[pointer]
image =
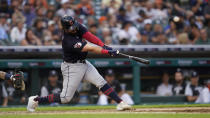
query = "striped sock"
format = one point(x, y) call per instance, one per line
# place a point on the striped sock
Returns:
point(108, 90)
point(49, 99)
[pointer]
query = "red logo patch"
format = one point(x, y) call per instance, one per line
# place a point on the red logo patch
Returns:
point(78, 45)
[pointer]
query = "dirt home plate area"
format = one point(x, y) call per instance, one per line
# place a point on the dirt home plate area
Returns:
point(113, 111)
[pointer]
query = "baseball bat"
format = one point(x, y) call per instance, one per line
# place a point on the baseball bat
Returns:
point(141, 60)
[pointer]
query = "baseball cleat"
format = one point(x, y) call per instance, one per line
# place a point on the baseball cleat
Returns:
point(123, 106)
point(32, 104)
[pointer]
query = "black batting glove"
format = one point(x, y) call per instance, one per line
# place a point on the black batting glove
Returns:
point(113, 52)
point(107, 47)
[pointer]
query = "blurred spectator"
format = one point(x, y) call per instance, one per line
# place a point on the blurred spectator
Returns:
point(121, 16)
point(164, 89)
point(171, 31)
point(51, 34)
point(107, 3)
point(140, 20)
point(204, 96)
point(160, 11)
point(204, 39)
point(197, 6)
point(149, 10)
point(38, 3)
point(30, 39)
point(147, 32)
point(110, 78)
point(65, 10)
point(3, 31)
point(17, 16)
point(179, 85)
point(93, 29)
point(50, 15)
point(158, 35)
point(112, 7)
point(14, 95)
point(4, 7)
point(29, 14)
point(4, 22)
point(131, 13)
point(207, 11)
point(194, 34)
point(193, 89)
point(53, 86)
point(3, 94)
point(106, 36)
point(39, 28)
point(168, 21)
point(90, 21)
point(131, 33)
point(18, 32)
point(85, 8)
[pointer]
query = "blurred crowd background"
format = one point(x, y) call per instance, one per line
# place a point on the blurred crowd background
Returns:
point(116, 22)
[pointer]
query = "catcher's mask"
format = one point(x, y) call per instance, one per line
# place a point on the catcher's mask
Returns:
point(18, 76)
point(69, 24)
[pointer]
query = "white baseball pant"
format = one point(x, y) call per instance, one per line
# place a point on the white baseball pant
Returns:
point(74, 73)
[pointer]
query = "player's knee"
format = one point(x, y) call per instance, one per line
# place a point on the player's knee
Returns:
point(101, 83)
point(65, 100)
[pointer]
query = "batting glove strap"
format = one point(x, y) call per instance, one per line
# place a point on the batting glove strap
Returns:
point(107, 47)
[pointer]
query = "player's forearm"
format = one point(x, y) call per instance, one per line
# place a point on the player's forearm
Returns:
point(192, 98)
point(5, 102)
point(4, 75)
point(93, 39)
point(94, 49)
point(99, 50)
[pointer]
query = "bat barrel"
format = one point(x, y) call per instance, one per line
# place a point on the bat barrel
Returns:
point(141, 60)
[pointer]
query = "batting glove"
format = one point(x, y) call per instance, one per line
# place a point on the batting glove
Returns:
point(113, 52)
point(107, 47)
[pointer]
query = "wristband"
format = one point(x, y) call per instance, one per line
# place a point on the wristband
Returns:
point(104, 51)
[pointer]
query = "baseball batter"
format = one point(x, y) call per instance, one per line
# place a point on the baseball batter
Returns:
point(76, 68)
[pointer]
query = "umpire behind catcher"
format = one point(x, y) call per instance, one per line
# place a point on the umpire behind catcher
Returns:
point(76, 68)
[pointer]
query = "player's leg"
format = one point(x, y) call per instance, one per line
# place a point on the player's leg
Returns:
point(95, 78)
point(72, 76)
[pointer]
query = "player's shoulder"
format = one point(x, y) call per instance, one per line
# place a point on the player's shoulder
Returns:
point(82, 26)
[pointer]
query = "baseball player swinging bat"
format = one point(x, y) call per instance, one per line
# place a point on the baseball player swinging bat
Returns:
point(141, 60)
point(76, 68)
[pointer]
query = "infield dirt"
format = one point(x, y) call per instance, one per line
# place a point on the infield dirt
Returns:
point(113, 111)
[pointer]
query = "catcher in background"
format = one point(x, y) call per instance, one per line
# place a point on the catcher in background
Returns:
point(16, 79)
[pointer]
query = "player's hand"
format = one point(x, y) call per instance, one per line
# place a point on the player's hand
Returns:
point(113, 52)
point(107, 47)
point(17, 80)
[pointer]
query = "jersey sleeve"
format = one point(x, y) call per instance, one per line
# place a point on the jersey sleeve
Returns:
point(44, 91)
point(82, 29)
point(188, 91)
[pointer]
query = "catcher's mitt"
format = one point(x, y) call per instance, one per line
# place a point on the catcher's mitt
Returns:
point(17, 80)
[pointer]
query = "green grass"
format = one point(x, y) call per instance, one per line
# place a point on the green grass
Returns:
point(144, 115)
point(66, 108)
point(102, 115)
